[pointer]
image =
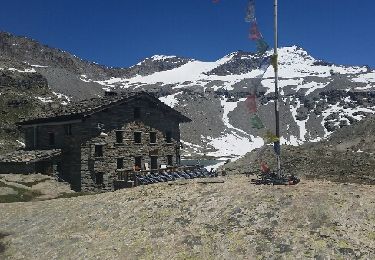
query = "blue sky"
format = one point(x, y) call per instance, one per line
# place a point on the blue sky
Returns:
point(121, 33)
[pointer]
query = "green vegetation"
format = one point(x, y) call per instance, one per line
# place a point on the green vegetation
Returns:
point(22, 195)
point(30, 184)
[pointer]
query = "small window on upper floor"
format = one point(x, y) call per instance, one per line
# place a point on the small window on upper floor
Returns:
point(51, 138)
point(68, 129)
point(120, 163)
point(168, 137)
point(98, 150)
point(137, 137)
point(152, 137)
point(137, 113)
point(119, 136)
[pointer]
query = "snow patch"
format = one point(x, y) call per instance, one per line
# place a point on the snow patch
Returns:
point(365, 78)
point(23, 71)
point(301, 124)
point(22, 144)
point(170, 100)
point(231, 144)
point(62, 96)
point(312, 86)
point(45, 100)
point(342, 112)
point(38, 66)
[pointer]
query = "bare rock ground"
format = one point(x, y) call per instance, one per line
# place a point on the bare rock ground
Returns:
point(230, 220)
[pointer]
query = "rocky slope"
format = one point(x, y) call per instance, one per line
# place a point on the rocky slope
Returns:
point(318, 97)
point(346, 156)
point(230, 220)
point(23, 93)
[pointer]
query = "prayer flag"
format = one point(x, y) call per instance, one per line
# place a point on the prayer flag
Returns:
point(250, 11)
point(256, 122)
point(262, 46)
point(264, 167)
point(254, 32)
point(251, 103)
point(271, 137)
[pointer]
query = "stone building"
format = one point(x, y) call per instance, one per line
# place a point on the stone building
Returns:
point(90, 142)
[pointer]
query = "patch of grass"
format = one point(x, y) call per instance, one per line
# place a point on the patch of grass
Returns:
point(30, 184)
point(371, 235)
point(76, 194)
point(23, 195)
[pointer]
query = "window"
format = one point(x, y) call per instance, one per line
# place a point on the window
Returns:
point(152, 137)
point(137, 137)
point(98, 150)
point(99, 178)
point(120, 163)
point(68, 129)
point(168, 137)
point(154, 162)
point(119, 136)
point(137, 113)
point(51, 138)
point(170, 159)
point(138, 162)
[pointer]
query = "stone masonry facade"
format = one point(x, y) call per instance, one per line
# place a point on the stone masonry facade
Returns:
point(98, 146)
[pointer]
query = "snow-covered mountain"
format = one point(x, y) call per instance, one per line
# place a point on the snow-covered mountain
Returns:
point(318, 97)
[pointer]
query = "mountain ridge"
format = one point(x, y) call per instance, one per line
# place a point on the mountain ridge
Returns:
point(318, 97)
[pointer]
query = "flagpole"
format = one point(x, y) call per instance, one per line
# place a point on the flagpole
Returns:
point(277, 98)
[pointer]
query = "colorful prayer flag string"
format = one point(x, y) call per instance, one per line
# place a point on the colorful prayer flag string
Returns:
point(251, 104)
point(271, 137)
point(256, 122)
point(255, 33)
point(250, 11)
point(262, 46)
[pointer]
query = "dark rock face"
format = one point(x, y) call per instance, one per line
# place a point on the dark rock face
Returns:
point(152, 65)
point(240, 63)
point(13, 79)
point(21, 96)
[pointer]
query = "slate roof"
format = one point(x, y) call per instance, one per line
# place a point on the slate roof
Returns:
point(79, 110)
point(23, 156)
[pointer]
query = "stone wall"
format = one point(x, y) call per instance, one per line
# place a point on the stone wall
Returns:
point(16, 167)
point(121, 118)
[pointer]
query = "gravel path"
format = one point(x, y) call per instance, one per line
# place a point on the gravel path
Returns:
point(230, 220)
